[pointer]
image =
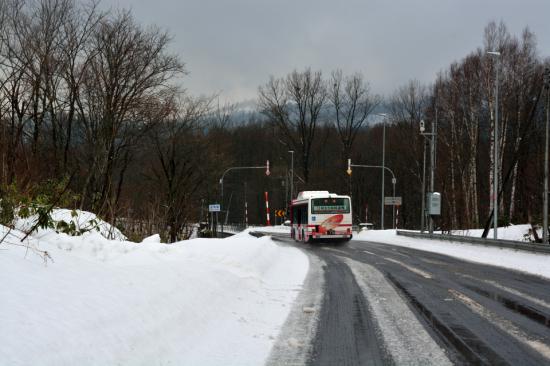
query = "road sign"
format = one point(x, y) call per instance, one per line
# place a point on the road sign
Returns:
point(280, 213)
point(392, 201)
point(214, 208)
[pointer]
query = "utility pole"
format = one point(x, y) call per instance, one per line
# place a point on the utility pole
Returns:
point(431, 136)
point(495, 153)
point(291, 175)
point(423, 213)
point(432, 164)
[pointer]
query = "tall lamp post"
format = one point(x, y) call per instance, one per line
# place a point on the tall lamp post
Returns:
point(384, 168)
point(495, 153)
point(545, 196)
point(383, 165)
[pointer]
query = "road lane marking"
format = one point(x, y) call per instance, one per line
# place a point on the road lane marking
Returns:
point(336, 250)
point(431, 261)
point(410, 268)
point(366, 251)
point(512, 291)
point(503, 324)
point(394, 251)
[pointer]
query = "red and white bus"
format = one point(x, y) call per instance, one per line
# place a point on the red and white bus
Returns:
point(320, 215)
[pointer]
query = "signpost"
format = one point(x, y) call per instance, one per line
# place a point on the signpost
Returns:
point(214, 208)
point(392, 201)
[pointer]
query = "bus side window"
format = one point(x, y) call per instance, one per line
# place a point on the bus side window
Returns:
point(304, 215)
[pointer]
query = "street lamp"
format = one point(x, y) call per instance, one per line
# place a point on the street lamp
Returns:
point(545, 195)
point(384, 168)
point(383, 165)
point(495, 153)
point(267, 172)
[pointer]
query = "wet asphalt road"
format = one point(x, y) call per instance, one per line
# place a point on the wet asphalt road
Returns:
point(478, 314)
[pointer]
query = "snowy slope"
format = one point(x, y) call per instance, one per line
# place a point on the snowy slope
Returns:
point(102, 302)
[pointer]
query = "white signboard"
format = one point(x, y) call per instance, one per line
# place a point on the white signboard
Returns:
point(214, 208)
point(392, 201)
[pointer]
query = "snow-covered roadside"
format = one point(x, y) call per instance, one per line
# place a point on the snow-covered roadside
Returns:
point(535, 263)
point(275, 229)
point(512, 232)
point(102, 302)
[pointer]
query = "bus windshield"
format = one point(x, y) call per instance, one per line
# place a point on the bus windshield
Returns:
point(329, 205)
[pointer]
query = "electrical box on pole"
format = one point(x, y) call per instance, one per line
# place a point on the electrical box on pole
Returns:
point(434, 203)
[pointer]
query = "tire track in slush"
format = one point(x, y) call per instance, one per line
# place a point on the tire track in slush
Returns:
point(346, 333)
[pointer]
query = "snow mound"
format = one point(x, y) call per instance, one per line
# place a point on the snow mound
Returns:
point(83, 220)
point(275, 229)
point(152, 239)
point(105, 302)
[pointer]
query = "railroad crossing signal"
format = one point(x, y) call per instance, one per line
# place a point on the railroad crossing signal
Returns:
point(280, 213)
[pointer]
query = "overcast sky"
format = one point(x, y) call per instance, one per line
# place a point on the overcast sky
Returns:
point(233, 46)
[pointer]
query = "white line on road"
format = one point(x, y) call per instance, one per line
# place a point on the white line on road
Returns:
point(401, 254)
point(335, 250)
point(511, 290)
point(503, 324)
point(410, 268)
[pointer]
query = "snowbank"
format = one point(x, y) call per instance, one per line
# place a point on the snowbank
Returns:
point(512, 232)
point(82, 220)
point(534, 263)
point(103, 302)
point(277, 229)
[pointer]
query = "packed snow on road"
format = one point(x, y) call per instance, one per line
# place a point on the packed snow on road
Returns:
point(94, 301)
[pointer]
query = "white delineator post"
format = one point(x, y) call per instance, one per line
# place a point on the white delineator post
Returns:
point(246, 214)
point(268, 222)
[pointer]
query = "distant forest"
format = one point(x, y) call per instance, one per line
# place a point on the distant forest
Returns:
point(94, 115)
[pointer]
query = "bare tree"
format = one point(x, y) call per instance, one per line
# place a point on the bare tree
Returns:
point(352, 102)
point(129, 70)
point(177, 170)
point(294, 104)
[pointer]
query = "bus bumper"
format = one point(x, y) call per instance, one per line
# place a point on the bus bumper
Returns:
point(335, 236)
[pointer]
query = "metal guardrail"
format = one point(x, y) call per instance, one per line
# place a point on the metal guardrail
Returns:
point(510, 244)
